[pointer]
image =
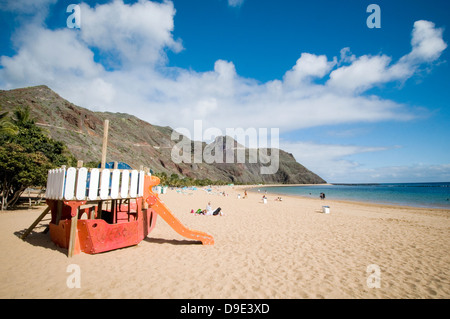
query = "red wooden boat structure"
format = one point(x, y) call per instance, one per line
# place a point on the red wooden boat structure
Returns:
point(96, 210)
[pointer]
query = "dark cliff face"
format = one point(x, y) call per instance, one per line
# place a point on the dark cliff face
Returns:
point(137, 142)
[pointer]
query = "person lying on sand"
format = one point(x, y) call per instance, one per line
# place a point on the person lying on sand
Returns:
point(208, 211)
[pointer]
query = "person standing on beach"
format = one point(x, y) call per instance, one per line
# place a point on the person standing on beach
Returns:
point(245, 194)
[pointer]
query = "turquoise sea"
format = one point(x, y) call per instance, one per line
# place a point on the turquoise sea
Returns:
point(430, 195)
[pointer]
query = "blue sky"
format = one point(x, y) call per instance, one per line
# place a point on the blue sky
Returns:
point(352, 103)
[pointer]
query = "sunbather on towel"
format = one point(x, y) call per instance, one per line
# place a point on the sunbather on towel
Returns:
point(209, 211)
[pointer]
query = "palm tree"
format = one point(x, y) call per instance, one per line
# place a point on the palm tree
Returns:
point(6, 126)
point(22, 116)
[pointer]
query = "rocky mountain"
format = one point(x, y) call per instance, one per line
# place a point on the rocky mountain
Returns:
point(137, 142)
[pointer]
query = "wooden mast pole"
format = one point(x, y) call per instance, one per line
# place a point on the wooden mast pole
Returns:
point(103, 164)
point(105, 143)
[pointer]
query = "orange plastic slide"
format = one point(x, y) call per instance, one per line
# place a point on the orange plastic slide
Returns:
point(162, 210)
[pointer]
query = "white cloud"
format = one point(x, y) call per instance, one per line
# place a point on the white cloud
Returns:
point(346, 56)
point(308, 67)
point(334, 164)
point(362, 74)
point(418, 172)
point(414, 173)
point(235, 3)
point(133, 34)
point(47, 56)
point(427, 42)
point(330, 161)
point(225, 70)
point(367, 71)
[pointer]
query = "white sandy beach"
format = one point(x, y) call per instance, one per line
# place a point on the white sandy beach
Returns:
point(287, 249)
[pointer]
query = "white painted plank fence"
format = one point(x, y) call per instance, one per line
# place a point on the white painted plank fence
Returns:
point(94, 184)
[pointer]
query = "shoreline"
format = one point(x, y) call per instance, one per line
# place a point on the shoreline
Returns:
point(350, 201)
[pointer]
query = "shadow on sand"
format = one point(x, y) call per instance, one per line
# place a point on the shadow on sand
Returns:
point(40, 237)
point(172, 241)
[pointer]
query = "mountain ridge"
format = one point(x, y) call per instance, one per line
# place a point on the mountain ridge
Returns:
point(137, 142)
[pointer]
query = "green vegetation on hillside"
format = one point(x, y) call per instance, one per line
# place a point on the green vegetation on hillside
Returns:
point(174, 180)
point(26, 155)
